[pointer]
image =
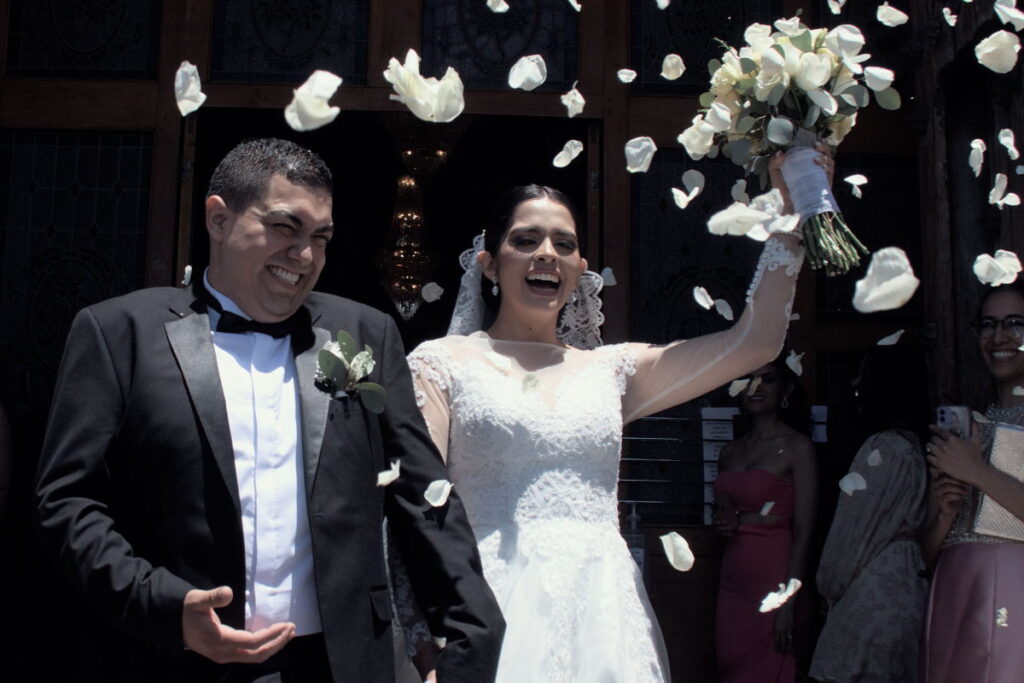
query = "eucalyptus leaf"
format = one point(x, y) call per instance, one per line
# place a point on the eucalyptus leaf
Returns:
point(347, 344)
point(859, 94)
point(745, 84)
point(775, 96)
point(706, 99)
point(373, 396)
point(713, 66)
point(780, 130)
point(739, 151)
point(845, 108)
point(803, 41)
point(811, 117)
point(888, 99)
point(748, 65)
point(331, 365)
point(745, 124)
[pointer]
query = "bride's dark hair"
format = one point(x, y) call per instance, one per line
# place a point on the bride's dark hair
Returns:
point(500, 219)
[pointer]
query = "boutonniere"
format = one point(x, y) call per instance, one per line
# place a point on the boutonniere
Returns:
point(341, 372)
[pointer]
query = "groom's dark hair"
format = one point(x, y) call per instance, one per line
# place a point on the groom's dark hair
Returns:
point(242, 176)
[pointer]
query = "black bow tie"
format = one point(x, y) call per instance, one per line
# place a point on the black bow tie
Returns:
point(236, 324)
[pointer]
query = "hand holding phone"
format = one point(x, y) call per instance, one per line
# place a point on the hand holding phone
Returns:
point(955, 419)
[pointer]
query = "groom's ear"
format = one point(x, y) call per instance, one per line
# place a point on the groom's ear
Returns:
point(217, 217)
point(488, 266)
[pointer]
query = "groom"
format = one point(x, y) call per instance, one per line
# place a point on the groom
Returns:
point(210, 498)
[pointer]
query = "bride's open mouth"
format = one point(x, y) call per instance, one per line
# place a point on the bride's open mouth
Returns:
point(543, 284)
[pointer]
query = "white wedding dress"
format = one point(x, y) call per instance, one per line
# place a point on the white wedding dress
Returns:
point(532, 434)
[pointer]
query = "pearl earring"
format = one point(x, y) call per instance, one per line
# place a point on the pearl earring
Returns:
point(494, 289)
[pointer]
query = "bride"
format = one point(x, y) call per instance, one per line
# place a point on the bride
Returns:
point(529, 419)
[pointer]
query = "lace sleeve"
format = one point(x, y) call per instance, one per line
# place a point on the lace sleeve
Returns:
point(672, 374)
point(429, 363)
point(405, 612)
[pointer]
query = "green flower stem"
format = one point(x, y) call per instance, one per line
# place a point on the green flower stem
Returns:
point(831, 244)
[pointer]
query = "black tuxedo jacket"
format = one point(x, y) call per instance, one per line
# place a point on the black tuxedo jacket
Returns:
point(138, 500)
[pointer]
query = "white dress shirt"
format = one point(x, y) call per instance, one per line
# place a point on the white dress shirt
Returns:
point(257, 374)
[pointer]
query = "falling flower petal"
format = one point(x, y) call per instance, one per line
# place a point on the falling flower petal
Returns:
point(737, 386)
point(724, 309)
point(672, 67)
point(1019, 170)
point(890, 16)
point(977, 156)
point(308, 109)
point(678, 552)
point(608, 275)
point(852, 482)
point(626, 75)
point(701, 296)
point(389, 475)
point(693, 180)
point(573, 101)
point(497, 6)
point(999, 196)
point(889, 282)
point(1018, 391)
point(878, 78)
point(527, 73)
point(794, 317)
point(949, 16)
point(698, 139)
point(639, 152)
point(767, 507)
point(683, 199)
point(890, 340)
point(431, 292)
point(794, 364)
point(429, 99)
point(874, 458)
point(187, 279)
point(1008, 13)
point(570, 151)
point(1002, 617)
point(576, 5)
point(437, 493)
point(999, 51)
point(662, 4)
point(856, 180)
point(979, 418)
point(777, 599)
point(1006, 139)
point(187, 88)
point(736, 219)
point(752, 387)
point(836, 6)
point(739, 191)
point(1000, 269)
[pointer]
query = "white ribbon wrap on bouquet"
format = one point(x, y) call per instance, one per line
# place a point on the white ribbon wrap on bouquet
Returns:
point(807, 181)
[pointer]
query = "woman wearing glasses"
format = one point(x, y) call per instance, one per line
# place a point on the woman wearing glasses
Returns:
point(975, 625)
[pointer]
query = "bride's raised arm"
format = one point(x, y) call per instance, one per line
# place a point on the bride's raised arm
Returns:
point(683, 370)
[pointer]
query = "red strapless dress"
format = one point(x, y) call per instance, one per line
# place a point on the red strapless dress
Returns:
point(754, 563)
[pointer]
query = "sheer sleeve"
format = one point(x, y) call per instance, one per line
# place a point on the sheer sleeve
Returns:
point(429, 363)
point(672, 374)
point(406, 613)
point(890, 507)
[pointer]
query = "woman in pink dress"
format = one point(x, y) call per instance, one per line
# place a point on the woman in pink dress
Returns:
point(765, 502)
point(975, 625)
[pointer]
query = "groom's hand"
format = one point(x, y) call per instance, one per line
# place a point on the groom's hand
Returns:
point(204, 633)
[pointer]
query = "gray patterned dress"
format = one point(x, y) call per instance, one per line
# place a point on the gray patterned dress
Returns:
point(871, 568)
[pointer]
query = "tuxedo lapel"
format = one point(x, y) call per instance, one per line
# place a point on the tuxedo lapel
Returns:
point(315, 406)
point(193, 348)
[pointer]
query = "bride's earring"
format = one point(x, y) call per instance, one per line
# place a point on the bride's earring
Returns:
point(494, 289)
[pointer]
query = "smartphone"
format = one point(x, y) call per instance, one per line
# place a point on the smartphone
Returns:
point(955, 419)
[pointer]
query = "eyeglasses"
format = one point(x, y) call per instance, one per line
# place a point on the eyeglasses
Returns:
point(1011, 324)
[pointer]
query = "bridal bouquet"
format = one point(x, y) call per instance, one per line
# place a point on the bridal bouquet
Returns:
point(785, 90)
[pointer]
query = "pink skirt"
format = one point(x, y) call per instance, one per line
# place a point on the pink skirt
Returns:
point(975, 626)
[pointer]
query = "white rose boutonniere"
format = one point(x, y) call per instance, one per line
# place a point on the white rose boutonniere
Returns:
point(342, 371)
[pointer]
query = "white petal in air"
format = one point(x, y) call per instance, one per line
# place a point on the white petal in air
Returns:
point(890, 340)
point(998, 52)
point(431, 292)
point(836, 6)
point(875, 458)
point(693, 181)
point(852, 482)
point(437, 493)
point(1008, 13)
point(527, 73)
point(683, 199)
point(308, 109)
point(999, 196)
point(1018, 391)
point(608, 275)
point(429, 99)
point(777, 599)
point(737, 386)
point(575, 5)
point(1000, 269)
point(736, 219)
point(977, 156)
point(878, 78)
point(979, 418)
point(187, 279)
point(794, 364)
point(678, 552)
point(662, 4)
point(389, 475)
point(626, 75)
point(497, 6)
point(889, 282)
point(187, 88)
point(573, 101)
point(724, 309)
point(570, 151)
point(672, 67)
point(639, 152)
point(767, 508)
point(739, 191)
point(701, 296)
point(948, 15)
point(856, 180)
point(1007, 140)
point(754, 384)
point(890, 16)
